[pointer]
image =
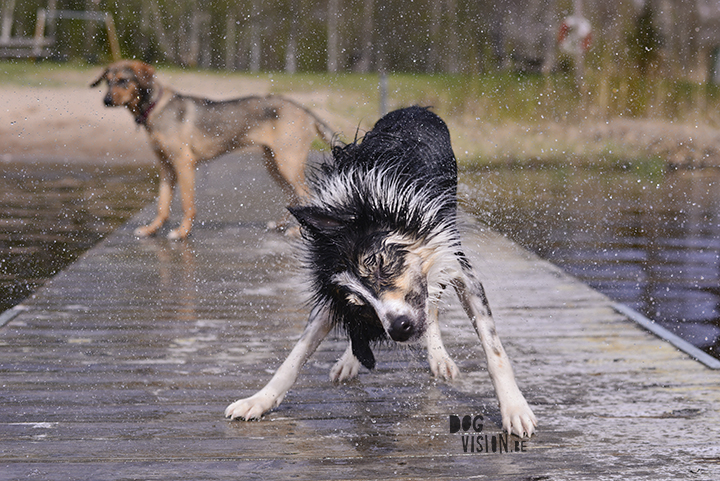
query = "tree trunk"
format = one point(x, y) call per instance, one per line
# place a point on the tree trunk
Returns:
point(452, 62)
point(7, 20)
point(230, 41)
point(366, 38)
point(332, 35)
point(162, 36)
point(255, 38)
point(435, 22)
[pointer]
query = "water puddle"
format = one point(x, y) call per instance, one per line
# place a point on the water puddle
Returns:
point(50, 214)
point(646, 237)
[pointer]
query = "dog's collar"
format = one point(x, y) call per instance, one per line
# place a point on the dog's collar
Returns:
point(142, 118)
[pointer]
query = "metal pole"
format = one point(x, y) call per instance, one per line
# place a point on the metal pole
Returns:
point(383, 92)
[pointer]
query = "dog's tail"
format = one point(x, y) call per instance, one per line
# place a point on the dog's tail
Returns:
point(325, 132)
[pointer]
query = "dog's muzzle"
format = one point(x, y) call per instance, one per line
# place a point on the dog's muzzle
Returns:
point(108, 101)
point(401, 328)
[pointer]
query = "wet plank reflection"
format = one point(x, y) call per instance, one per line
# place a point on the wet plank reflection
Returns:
point(647, 238)
point(51, 213)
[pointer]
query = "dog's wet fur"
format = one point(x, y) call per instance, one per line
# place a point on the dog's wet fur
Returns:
point(381, 244)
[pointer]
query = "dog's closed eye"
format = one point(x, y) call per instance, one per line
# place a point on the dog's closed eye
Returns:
point(355, 299)
point(373, 264)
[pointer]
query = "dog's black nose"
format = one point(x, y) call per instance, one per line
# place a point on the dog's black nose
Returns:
point(401, 328)
point(108, 101)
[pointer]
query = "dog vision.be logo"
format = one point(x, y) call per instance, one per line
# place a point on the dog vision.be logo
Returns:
point(470, 429)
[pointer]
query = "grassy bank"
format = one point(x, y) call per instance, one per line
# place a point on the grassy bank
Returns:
point(494, 119)
point(496, 98)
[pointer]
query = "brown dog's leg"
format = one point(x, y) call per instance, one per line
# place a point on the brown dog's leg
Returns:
point(167, 184)
point(293, 194)
point(185, 170)
point(280, 177)
point(292, 170)
point(290, 149)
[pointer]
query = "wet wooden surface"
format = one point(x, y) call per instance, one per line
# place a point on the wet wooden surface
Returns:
point(50, 214)
point(121, 366)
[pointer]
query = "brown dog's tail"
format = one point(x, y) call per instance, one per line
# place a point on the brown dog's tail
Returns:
point(325, 132)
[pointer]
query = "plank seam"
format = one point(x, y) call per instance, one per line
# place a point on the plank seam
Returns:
point(668, 336)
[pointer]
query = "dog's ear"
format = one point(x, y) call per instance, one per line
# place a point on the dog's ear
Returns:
point(144, 74)
point(102, 77)
point(316, 219)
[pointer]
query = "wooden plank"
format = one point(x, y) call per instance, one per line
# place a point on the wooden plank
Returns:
point(121, 366)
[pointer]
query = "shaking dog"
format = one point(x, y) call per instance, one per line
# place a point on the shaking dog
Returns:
point(381, 244)
point(185, 131)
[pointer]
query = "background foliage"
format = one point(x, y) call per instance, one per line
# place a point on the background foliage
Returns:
point(647, 57)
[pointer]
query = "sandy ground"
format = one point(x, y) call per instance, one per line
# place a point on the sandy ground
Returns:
point(69, 123)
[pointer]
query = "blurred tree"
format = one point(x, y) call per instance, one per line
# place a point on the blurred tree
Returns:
point(366, 36)
point(452, 36)
point(644, 42)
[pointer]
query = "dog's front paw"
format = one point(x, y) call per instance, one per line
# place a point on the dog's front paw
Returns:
point(144, 231)
point(518, 418)
point(441, 365)
point(285, 227)
point(253, 407)
point(347, 367)
point(178, 234)
point(293, 232)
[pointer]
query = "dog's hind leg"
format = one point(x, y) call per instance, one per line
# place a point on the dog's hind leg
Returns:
point(281, 179)
point(441, 364)
point(517, 417)
point(347, 367)
point(185, 169)
point(165, 194)
point(274, 391)
point(290, 164)
point(293, 191)
point(292, 138)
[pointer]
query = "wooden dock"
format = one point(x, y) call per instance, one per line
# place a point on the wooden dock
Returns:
point(120, 369)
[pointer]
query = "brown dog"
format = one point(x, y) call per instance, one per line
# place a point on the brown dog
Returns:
point(185, 131)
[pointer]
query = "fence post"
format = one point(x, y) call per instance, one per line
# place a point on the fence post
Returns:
point(39, 37)
point(112, 38)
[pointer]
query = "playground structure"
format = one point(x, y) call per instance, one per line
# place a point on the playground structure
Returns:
point(41, 43)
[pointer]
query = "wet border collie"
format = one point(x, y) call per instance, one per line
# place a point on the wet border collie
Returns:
point(381, 245)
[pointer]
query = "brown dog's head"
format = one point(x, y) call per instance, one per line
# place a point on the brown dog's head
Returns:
point(129, 83)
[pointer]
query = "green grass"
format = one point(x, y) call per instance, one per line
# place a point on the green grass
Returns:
point(27, 73)
point(495, 119)
point(490, 98)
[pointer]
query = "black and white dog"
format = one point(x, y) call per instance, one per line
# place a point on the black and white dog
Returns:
point(381, 245)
